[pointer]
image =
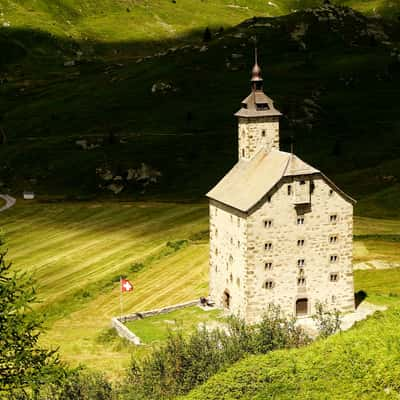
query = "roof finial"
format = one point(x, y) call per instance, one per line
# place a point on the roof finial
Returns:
point(256, 72)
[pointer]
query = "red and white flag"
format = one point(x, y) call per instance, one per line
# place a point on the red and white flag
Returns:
point(126, 286)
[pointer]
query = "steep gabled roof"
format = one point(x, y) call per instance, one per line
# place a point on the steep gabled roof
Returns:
point(250, 180)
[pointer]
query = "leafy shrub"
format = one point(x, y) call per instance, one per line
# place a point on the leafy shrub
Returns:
point(185, 362)
point(79, 384)
point(136, 267)
point(177, 244)
point(328, 321)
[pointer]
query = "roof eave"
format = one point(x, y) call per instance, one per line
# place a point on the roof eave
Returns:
point(248, 113)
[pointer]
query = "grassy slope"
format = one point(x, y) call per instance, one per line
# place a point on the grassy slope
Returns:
point(362, 363)
point(47, 107)
point(124, 20)
point(78, 250)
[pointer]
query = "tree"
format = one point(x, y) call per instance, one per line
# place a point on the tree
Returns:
point(207, 35)
point(24, 366)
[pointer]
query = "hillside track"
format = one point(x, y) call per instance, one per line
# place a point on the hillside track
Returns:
point(10, 201)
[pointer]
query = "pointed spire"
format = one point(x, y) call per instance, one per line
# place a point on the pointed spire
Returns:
point(256, 78)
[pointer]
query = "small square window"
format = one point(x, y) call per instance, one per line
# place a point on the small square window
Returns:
point(302, 182)
point(333, 218)
point(300, 220)
point(331, 192)
point(333, 258)
point(334, 277)
point(268, 284)
point(301, 262)
point(268, 266)
point(289, 190)
point(268, 246)
point(333, 239)
point(263, 133)
point(267, 223)
point(300, 242)
point(301, 281)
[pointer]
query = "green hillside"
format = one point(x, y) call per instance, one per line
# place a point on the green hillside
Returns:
point(77, 252)
point(362, 363)
point(319, 74)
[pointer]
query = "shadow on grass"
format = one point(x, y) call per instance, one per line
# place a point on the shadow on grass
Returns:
point(359, 297)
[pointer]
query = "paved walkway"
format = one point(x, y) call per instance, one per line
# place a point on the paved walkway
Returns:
point(364, 310)
point(10, 201)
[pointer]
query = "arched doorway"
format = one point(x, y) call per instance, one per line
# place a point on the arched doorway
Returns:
point(301, 307)
point(226, 298)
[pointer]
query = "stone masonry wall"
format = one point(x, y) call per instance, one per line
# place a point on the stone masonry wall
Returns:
point(284, 233)
point(255, 133)
point(227, 256)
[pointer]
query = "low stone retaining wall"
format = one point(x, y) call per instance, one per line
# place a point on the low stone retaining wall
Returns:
point(118, 322)
point(124, 332)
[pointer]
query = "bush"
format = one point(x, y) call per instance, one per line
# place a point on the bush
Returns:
point(79, 384)
point(328, 321)
point(185, 362)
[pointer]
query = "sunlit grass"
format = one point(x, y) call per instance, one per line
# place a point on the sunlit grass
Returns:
point(77, 251)
point(186, 320)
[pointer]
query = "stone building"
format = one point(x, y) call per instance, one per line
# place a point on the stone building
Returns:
point(280, 230)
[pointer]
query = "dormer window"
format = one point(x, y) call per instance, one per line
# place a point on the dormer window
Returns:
point(262, 106)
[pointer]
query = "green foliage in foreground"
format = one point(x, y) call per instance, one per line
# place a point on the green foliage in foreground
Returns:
point(363, 363)
point(23, 364)
point(185, 362)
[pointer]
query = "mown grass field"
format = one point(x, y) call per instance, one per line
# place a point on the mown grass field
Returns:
point(155, 329)
point(77, 251)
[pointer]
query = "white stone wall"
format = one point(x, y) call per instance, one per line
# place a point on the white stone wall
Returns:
point(284, 234)
point(255, 133)
point(227, 256)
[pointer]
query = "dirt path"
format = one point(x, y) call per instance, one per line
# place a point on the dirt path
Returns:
point(10, 201)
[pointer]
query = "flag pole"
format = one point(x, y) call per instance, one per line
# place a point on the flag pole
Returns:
point(120, 297)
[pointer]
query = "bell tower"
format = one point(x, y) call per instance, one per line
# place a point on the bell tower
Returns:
point(258, 119)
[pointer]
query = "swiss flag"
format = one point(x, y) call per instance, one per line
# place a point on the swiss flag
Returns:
point(126, 286)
